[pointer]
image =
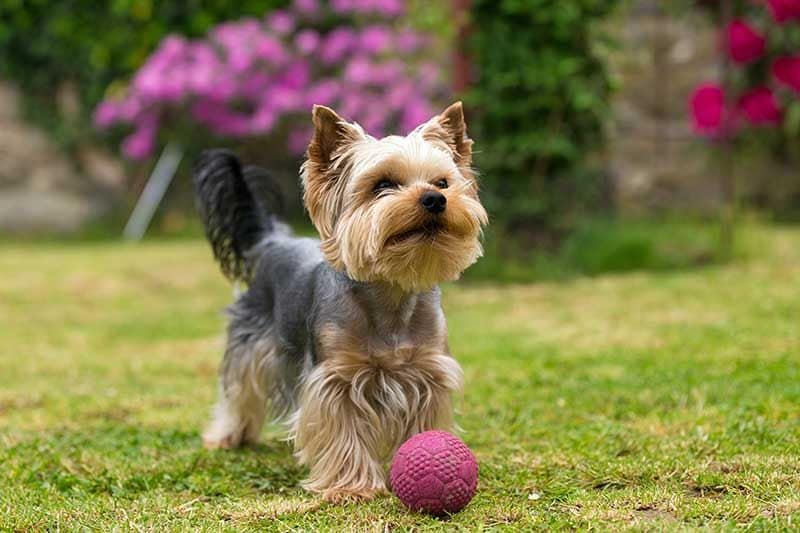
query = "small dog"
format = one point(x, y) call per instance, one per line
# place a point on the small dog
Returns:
point(344, 338)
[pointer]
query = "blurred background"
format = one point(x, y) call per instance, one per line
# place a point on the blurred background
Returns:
point(610, 134)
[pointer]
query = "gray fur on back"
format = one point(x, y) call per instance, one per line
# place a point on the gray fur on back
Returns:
point(294, 292)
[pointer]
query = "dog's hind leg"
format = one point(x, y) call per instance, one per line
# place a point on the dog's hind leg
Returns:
point(246, 373)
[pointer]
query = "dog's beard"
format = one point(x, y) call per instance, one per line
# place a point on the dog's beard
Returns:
point(395, 241)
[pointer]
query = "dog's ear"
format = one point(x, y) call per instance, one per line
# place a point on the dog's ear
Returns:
point(332, 135)
point(449, 127)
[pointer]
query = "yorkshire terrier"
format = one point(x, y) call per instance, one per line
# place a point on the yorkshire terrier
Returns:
point(344, 338)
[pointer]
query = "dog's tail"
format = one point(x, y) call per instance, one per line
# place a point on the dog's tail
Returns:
point(237, 206)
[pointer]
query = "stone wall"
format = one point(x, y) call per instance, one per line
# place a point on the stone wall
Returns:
point(656, 161)
point(41, 188)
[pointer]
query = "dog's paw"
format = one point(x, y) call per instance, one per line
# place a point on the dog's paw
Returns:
point(215, 441)
point(351, 495)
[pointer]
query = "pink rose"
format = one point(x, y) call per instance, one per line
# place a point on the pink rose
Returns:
point(707, 105)
point(787, 71)
point(760, 107)
point(784, 10)
point(744, 44)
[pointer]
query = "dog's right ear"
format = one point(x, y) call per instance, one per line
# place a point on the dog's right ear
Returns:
point(332, 135)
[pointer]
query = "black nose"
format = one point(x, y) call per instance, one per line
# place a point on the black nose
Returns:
point(433, 201)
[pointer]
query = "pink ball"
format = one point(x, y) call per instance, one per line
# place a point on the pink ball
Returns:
point(434, 472)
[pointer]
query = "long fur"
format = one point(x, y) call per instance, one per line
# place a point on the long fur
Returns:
point(345, 339)
point(234, 204)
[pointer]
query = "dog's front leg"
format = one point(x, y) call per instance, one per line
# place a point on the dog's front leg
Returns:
point(338, 438)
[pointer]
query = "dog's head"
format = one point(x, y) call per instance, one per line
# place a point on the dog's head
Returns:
point(403, 210)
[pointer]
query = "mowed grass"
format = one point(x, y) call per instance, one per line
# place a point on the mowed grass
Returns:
point(646, 401)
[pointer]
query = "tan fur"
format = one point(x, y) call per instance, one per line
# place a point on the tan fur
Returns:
point(239, 414)
point(357, 226)
point(362, 402)
point(384, 371)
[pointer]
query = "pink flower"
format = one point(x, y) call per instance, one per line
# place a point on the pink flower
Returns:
point(296, 76)
point(744, 44)
point(375, 39)
point(416, 112)
point(787, 71)
point(140, 144)
point(202, 78)
point(707, 105)
point(130, 108)
point(358, 70)
point(171, 48)
point(389, 8)
point(324, 92)
point(409, 41)
point(284, 99)
point(386, 74)
point(264, 118)
point(307, 41)
point(342, 6)
point(399, 94)
point(271, 50)
point(106, 114)
point(310, 8)
point(224, 88)
point(280, 22)
point(253, 85)
point(760, 107)
point(337, 44)
point(428, 75)
point(784, 10)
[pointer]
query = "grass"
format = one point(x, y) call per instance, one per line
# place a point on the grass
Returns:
point(601, 245)
point(652, 400)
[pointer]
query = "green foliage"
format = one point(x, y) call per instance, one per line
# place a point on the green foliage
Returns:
point(541, 97)
point(95, 45)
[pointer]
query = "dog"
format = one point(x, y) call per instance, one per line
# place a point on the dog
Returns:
point(343, 339)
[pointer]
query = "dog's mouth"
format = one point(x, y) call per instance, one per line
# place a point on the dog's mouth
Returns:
point(427, 231)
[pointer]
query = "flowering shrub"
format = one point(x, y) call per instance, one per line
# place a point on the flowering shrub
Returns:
point(251, 77)
point(764, 47)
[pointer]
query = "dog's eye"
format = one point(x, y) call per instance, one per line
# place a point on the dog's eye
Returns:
point(442, 183)
point(384, 185)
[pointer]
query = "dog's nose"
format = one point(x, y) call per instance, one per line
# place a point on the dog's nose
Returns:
point(433, 201)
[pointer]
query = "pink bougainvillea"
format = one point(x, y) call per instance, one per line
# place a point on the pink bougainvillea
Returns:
point(249, 77)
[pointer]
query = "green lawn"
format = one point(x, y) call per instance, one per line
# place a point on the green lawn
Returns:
point(665, 400)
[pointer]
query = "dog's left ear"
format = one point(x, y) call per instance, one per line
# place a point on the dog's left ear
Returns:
point(451, 128)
